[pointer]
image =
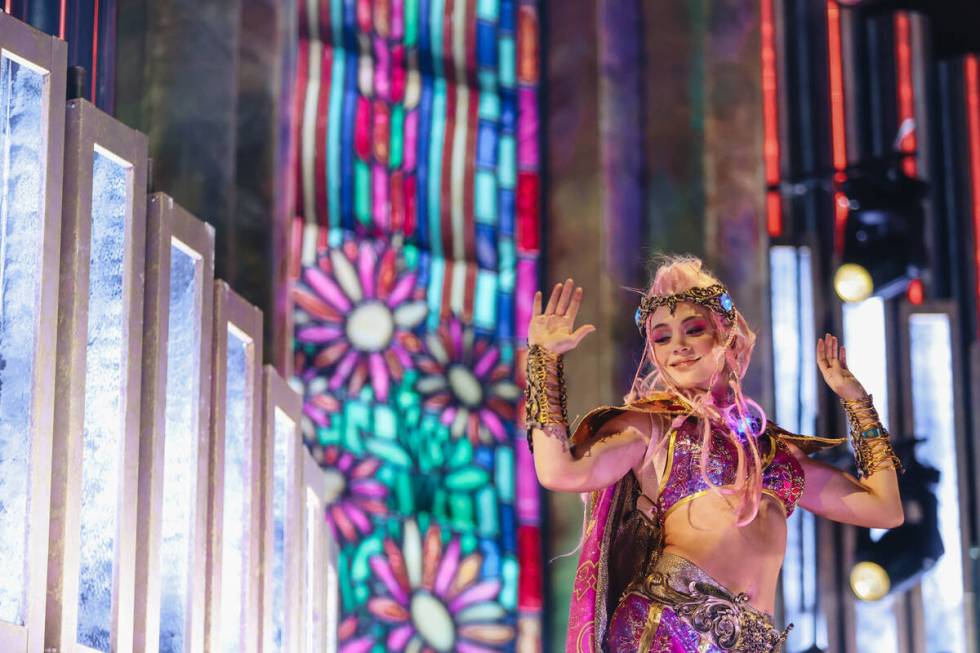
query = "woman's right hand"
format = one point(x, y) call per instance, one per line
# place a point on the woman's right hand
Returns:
point(552, 328)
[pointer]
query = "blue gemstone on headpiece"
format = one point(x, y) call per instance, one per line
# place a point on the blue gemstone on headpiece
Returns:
point(637, 317)
point(726, 301)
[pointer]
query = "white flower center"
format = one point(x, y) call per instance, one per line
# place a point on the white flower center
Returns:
point(334, 485)
point(370, 326)
point(433, 621)
point(465, 386)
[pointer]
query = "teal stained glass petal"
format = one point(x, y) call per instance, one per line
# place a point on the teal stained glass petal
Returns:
point(467, 479)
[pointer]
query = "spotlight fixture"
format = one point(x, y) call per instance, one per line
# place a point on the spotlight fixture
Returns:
point(895, 560)
point(883, 237)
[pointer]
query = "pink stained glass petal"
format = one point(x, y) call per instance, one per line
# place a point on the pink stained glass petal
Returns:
point(456, 338)
point(366, 468)
point(403, 356)
point(447, 569)
point(370, 488)
point(379, 376)
point(448, 415)
point(345, 462)
point(397, 561)
point(381, 568)
point(386, 275)
point(357, 517)
point(493, 424)
point(398, 638)
point(327, 288)
point(366, 261)
point(342, 373)
point(387, 610)
point(402, 291)
point(359, 645)
point(344, 525)
point(486, 363)
point(484, 591)
point(317, 415)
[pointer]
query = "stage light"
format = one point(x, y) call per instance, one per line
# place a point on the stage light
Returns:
point(894, 561)
point(884, 232)
point(853, 283)
point(870, 581)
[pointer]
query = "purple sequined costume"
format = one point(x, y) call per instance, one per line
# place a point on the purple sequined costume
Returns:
point(629, 597)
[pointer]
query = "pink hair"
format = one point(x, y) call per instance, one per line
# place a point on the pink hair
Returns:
point(731, 354)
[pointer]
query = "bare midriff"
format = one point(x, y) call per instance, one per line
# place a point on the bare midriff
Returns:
point(741, 558)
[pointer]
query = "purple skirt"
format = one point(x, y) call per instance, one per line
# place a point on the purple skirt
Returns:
point(678, 608)
point(641, 624)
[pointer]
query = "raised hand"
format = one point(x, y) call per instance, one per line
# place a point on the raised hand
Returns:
point(552, 327)
point(832, 361)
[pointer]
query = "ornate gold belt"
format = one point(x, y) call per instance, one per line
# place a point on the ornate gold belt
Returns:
point(726, 619)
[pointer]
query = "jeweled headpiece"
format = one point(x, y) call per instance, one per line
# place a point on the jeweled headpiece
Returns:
point(715, 297)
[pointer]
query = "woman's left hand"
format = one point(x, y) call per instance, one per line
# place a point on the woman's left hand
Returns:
point(832, 361)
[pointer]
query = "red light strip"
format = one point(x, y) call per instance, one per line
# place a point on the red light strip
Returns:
point(7, 6)
point(973, 125)
point(61, 19)
point(837, 124)
point(770, 108)
point(906, 89)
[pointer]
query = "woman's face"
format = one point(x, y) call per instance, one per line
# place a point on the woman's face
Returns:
point(682, 344)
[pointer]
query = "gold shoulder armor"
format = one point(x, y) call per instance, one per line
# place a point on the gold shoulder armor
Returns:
point(808, 444)
point(586, 433)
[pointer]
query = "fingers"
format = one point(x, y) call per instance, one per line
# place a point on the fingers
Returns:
point(566, 297)
point(536, 305)
point(822, 355)
point(843, 357)
point(553, 300)
point(572, 311)
point(581, 332)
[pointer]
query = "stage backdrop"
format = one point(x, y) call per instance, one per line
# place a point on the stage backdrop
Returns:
point(414, 261)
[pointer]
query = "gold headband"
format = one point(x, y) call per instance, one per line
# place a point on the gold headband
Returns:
point(715, 297)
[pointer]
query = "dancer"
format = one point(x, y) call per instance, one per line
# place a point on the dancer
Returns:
point(689, 485)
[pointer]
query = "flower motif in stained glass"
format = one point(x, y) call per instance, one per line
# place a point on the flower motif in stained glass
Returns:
point(432, 596)
point(353, 494)
point(466, 383)
point(355, 312)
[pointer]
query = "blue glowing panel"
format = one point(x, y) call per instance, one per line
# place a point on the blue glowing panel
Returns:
point(180, 445)
point(237, 494)
point(795, 394)
point(931, 354)
point(23, 150)
point(313, 516)
point(103, 429)
point(285, 430)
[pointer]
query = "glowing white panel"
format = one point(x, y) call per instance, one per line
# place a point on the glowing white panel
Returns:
point(321, 598)
point(103, 427)
point(795, 394)
point(23, 163)
point(285, 430)
point(931, 356)
point(864, 338)
point(180, 446)
point(313, 514)
point(236, 518)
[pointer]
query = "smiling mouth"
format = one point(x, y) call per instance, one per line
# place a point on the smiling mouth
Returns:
point(686, 364)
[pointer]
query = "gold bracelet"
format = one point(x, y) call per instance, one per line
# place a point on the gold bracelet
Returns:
point(869, 438)
point(545, 400)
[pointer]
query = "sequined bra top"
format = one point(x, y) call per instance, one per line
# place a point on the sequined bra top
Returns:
point(782, 476)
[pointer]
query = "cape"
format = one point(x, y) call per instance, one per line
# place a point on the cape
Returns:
point(617, 542)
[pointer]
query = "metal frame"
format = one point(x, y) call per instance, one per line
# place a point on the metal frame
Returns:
point(166, 222)
point(314, 481)
point(231, 310)
point(87, 127)
point(279, 396)
point(963, 468)
point(49, 53)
